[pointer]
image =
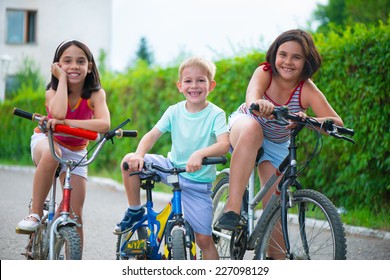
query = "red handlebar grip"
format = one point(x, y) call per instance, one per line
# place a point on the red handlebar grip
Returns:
point(79, 132)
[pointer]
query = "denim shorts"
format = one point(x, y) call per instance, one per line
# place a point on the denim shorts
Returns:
point(195, 196)
point(273, 152)
point(66, 154)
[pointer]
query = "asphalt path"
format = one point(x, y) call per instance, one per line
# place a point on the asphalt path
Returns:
point(105, 205)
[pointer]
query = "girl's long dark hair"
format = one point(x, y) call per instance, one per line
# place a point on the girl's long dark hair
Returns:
point(313, 59)
point(92, 80)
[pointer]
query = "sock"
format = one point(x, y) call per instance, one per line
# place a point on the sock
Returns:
point(134, 208)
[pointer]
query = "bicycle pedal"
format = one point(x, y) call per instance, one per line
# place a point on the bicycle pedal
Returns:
point(22, 231)
point(135, 247)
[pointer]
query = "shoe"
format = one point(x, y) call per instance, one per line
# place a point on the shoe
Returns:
point(228, 221)
point(28, 224)
point(128, 220)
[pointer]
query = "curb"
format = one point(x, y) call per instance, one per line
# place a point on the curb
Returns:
point(107, 182)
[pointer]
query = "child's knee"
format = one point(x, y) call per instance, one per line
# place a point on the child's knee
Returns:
point(204, 241)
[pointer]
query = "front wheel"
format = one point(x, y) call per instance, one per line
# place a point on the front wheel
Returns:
point(178, 250)
point(67, 244)
point(314, 226)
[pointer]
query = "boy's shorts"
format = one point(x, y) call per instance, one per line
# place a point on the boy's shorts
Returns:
point(195, 196)
point(273, 152)
point(66, 154)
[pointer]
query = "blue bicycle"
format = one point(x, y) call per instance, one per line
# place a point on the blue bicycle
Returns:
point(143, 240)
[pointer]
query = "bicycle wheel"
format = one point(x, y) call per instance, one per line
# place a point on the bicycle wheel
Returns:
point(221, 237)
point(138, 238)
point(178, 250)
point(35, 247)
point(67, 244)
point(315, 230)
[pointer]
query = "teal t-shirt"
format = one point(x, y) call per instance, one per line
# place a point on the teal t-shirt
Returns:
point(191, 132)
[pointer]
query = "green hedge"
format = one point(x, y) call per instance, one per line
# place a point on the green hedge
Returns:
point(354, 77)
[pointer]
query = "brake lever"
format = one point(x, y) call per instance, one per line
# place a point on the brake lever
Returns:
point(110, 135)
point(338, 136)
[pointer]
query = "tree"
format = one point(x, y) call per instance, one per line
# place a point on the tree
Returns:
point(348, 12)
point(143, 52)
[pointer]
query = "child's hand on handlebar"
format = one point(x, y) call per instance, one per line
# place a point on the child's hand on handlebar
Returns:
point(51, 123)
point(194, 163)
point(265, 108)
point(301, 114)
point(136, 163)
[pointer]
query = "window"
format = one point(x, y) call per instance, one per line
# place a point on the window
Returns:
point(21, 26)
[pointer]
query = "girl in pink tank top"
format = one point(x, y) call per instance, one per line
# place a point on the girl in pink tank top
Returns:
point(75, 98)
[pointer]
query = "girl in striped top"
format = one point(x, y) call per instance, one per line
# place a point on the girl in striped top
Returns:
point(285, 79)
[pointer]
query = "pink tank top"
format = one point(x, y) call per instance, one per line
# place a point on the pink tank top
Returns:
point(81, 111)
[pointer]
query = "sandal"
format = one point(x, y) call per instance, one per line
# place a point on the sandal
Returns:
point(29, 224)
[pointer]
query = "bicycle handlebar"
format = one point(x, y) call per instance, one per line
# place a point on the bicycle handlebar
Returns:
point(77, 132)
point(281, 114)
point(24, 114)
point(148, 167)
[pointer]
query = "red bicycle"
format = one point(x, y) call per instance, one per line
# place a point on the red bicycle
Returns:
point(57, 238)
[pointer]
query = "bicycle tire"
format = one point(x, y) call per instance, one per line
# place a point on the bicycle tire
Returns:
point(67, 245)
point(38, 244)
point(316, 233)
point(219, 197)
point(140, 233)
point(178, 250)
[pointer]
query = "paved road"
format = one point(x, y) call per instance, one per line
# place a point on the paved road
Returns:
point(105, 204)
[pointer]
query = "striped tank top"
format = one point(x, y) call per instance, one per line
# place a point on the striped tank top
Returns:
point(273, 131)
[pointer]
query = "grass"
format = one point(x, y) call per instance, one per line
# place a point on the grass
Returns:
point(365, 218)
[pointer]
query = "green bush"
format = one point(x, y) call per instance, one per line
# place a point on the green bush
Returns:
point(354, 77)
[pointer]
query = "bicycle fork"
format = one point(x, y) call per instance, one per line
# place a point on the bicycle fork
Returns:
point(180, 223)
point(63, 219)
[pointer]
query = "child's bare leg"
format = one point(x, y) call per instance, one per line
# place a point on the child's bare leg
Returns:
point(206, 244)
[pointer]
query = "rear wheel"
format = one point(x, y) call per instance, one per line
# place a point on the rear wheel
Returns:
point(132, 254)
point(222, 237)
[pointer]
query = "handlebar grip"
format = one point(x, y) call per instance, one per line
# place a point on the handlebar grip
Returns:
point(345, 130)
point(214, 160)
point(129, 133)
point(254, 106)
point(78, 132)
point(23, 114)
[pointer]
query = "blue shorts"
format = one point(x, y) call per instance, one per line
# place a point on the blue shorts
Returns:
point(195, 196)
point(273, 152)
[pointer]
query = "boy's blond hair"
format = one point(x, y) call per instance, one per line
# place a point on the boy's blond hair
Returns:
point(207, 66)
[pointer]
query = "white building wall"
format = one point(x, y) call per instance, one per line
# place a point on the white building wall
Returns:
point(89, 21)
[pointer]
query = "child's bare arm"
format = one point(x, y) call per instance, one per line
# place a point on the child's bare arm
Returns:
point(220, 148)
